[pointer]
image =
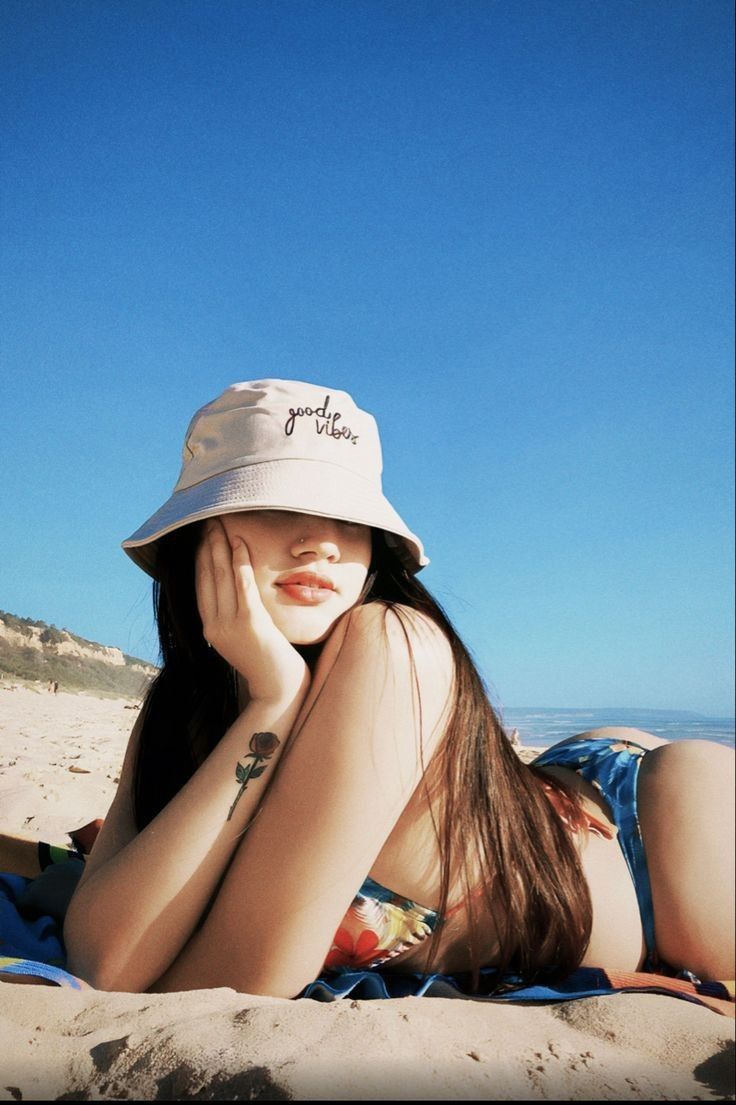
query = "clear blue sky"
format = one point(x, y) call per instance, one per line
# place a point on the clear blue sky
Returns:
point(505, 227)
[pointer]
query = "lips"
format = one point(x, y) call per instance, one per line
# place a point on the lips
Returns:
point(308, 588)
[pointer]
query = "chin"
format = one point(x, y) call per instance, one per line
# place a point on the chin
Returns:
point(304, 640)
point(304, 631)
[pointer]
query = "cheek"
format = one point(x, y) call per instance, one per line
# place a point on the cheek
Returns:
point(233, 528)
point(354, 584)
point(258, 543)
point(361, 550)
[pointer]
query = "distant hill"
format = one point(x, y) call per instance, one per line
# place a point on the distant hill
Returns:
point(32, 650)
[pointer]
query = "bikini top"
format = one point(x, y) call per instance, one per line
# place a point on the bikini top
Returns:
point(381, 924)
point(378, 925)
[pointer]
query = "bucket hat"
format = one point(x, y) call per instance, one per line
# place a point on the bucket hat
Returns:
point(279, 445)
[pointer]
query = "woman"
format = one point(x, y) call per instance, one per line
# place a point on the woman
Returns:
point(318, 728)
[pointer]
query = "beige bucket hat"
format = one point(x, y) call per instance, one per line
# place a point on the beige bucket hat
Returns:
point(279, 445)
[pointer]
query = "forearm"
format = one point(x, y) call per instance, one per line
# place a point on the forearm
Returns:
point(317, 836)
point(132, 917)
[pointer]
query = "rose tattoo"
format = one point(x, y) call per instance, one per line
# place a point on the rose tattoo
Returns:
point(262, 747)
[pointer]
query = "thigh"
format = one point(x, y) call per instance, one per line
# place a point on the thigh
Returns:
point(686, 812)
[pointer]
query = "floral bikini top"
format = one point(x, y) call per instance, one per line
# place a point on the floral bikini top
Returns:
point(378, 926)
point(381, 924)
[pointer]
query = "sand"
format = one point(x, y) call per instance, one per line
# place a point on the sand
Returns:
point(59, 758)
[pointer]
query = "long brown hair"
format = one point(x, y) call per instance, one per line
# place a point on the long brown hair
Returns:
point(496, 826)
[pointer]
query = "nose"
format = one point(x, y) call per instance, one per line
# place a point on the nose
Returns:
point(317, 538)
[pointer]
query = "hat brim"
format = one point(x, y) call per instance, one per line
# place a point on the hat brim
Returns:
point(302, 486)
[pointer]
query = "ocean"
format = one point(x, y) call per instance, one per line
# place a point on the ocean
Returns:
point(540, 726)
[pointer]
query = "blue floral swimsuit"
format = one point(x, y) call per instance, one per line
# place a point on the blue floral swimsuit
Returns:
point(612, 766)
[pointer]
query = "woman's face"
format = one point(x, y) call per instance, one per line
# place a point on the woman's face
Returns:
point(308, 570)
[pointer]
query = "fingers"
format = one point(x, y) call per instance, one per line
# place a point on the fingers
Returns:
point(245, 584)
point(205, 581)
point(222, 569)
point(217, 598)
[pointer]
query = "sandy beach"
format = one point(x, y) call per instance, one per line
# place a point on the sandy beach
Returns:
point(59, 759)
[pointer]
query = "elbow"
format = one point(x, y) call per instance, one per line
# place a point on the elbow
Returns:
point(261, 975)
point(104, 973)
point(276, 987)
point(96, 961)
point(99, 969)
point(274, 977)
point(257, 983)
point(107, 978)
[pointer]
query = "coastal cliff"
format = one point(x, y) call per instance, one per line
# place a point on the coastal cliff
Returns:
point(34, 651)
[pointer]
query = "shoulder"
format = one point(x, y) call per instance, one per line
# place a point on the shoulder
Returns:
point(396, 646)
point(402, 633)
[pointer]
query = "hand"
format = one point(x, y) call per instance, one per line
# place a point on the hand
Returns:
point(236, 623)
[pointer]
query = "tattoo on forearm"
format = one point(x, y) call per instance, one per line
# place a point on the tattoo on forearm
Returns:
point(262, 747)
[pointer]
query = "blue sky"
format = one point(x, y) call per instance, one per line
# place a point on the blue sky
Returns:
point(505, 228)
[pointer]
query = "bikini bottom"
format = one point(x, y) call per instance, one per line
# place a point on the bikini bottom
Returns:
point(612, 766)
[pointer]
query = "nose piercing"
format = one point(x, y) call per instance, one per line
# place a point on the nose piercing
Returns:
point(302, 540)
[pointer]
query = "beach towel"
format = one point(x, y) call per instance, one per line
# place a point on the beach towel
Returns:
point(585, 982)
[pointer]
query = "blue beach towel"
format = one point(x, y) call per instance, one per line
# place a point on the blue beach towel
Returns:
point(31, 936)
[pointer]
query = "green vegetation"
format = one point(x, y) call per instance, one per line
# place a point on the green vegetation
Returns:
point(73, 673)
point(51, 636)
point(20, 625)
